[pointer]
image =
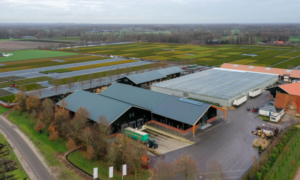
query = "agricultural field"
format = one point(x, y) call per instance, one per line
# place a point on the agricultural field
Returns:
point(9, 98)
point(88, 66)
point(33, 54)
point(4, 93)
point(46, 62)
point(26, 81)
point(202, 55)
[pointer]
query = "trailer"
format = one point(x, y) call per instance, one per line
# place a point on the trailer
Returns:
point(136, 134)
point(255, 93)
point(240, 100)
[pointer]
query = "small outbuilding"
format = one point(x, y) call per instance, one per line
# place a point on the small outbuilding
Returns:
point(273, 112)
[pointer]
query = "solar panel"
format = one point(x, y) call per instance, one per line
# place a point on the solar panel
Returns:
point(191, 101)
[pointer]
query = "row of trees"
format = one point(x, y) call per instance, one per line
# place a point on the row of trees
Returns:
point(270, 156)
point(77, 131)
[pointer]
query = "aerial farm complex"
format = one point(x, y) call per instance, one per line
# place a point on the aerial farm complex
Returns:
point(204, 100)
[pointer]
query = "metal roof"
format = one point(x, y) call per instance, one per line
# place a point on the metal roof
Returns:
point(145, 77)
point(118, 98)
point(170, 70)
point(172, 108)
point(159, 103)
point(271, 109)
point(136, 96)
point(218, 83)
point(153, 75)
point(96, 105)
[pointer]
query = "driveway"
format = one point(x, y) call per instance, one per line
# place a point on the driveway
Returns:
point(228, 143)
point(165, 144)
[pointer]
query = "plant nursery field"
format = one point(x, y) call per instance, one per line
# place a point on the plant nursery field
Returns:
point(33, 54)
point(202, 55)
point(46, 62)
point(89, 66)
point(26, 81)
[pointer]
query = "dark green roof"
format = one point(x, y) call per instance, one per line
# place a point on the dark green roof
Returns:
point(96, 105)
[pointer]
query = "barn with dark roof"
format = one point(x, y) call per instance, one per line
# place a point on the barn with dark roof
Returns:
point(129, 106)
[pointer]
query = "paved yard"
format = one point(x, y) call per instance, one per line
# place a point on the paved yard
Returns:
point(228, 143)
point(165, 143)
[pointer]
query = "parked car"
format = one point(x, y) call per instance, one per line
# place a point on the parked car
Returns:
point(248, 108)
point(255, 109)
point(151, 144)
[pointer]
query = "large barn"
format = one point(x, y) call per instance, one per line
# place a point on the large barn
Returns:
point(147, 78)
point(216, 85)
point(125, 105)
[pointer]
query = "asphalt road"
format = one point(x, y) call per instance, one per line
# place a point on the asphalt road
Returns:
point(229, 143)
point(35, 72)
point(36, 165)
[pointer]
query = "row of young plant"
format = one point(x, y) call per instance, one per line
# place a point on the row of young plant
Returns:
point(267, 160)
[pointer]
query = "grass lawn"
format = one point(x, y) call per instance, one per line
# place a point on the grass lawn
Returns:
point(88, 165)
point(8, 98)
point(18, 173)
point(33, 86)
point(40, 140)
point(288, 161)
point(33, 54)
point(265, 118)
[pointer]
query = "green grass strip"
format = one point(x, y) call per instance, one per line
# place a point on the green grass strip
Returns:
point(41, 141)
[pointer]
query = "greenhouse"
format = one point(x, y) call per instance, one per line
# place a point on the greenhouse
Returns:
point(217, 85)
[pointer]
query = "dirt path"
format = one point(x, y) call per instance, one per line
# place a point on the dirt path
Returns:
point(297, 175)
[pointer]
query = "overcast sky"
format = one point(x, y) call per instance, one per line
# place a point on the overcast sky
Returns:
point(149, 11)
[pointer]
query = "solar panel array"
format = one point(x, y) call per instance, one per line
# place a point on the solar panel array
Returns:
point(219, 83)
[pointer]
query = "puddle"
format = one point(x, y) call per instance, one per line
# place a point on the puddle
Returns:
point(58, 60)
point(253, 55)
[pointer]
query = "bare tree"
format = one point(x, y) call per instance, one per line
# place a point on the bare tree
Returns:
point(56, 83)
point(186, 166)
point(100, 78)
point(216, 171)
point(163, 171)
point(81, 80)
point(70, 82)
point(91, 78)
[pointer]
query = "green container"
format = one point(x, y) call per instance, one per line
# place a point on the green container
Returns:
point(136, 134)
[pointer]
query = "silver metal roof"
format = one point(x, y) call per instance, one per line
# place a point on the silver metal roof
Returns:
point(145, 77)
point(153, 75)
point(219, 83)
point(96, 105)
point(271, 108)
point(170, 70)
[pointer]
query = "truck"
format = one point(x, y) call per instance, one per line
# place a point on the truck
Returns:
point(240, 100)
point(255, 93)
point(136, 134)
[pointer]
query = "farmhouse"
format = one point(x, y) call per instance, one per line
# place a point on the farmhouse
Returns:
point(290, 103)
point(283, 74)
point(147, 78)
point(128, 106)
point(292, 89)
point(216, 85)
